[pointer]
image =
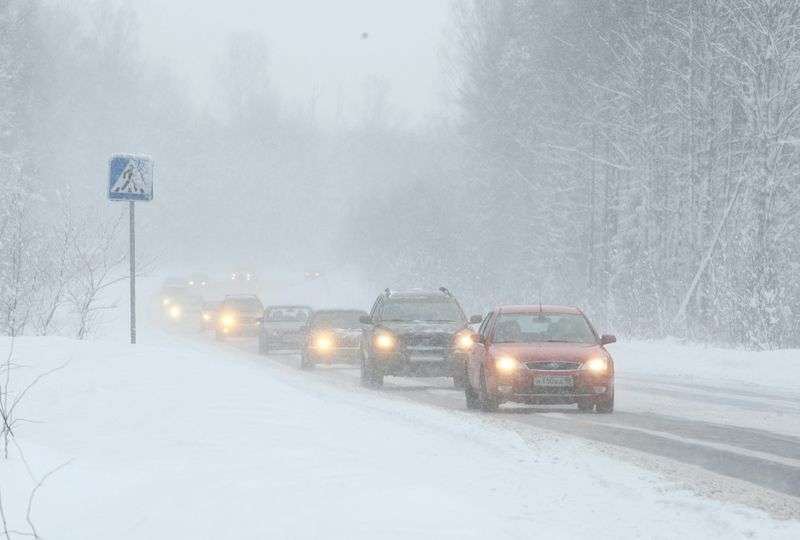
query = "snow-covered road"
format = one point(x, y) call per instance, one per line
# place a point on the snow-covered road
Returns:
point(745, 434)
point(187, 438)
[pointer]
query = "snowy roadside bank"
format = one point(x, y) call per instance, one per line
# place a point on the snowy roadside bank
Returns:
point(757, 370)
point(184, 441)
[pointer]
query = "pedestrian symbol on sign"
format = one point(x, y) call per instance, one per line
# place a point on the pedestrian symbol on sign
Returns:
point(130, 181)
point(130, 178)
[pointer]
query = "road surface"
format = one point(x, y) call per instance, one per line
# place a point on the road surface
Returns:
point(652, 416)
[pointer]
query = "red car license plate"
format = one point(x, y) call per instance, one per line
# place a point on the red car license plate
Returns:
point(553, 380)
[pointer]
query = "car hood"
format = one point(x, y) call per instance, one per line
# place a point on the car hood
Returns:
point(284, 325)
point(244, 313)
point(336, 331)
point(422, 327)
point(547, 352)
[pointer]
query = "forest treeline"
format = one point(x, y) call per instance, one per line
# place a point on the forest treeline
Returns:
point(636, 158)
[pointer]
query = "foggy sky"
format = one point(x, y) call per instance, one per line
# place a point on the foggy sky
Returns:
point(315, 44)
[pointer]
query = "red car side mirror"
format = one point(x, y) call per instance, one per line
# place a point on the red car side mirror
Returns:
point(605, 339)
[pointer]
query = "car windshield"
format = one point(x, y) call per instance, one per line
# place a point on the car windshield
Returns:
point(337, 319)
point(243, 304)
point(421, 310)
point(287, 314)
point(547, 327)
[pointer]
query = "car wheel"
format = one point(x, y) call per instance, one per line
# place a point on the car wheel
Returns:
point(487, 402)
point(585, 406)
point(263, 346)
point(473, 402)
point(606, 406)
point(370, 377)
point(306, 363)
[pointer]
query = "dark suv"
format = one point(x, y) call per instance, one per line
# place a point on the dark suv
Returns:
point(415, 333)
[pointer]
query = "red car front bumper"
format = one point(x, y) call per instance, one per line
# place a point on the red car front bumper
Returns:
point(551, 387)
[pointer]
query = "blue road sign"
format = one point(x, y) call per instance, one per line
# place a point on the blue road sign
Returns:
point(130, 178)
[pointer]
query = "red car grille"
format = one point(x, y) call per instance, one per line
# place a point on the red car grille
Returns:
point(556, 365)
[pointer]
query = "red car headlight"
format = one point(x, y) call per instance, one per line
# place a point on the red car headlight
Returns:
point(506, 364)
point(598, 365)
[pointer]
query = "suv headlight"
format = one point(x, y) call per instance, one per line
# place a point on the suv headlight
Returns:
point(464, 340)
point(323, 342)
point(384, 341)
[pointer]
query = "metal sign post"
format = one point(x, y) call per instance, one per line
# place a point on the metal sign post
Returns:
point(130, 178)
point(132, 258)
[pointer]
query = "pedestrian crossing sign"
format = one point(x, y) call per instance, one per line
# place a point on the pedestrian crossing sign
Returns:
point(130, 178)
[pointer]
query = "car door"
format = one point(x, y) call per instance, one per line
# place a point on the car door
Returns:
point(478, 352)
point(370, 328)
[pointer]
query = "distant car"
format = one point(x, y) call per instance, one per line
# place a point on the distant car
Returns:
point(167, 294)
point(415, 333)
point(243, 275)
point(239, 316)
point(198, 280)
point(209, 313)
point(283, 328)
point(181, 308)
point(333, 335)
point(540, 354)
point(171, 288)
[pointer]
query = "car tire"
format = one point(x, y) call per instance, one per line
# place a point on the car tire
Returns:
point(585, 406)
point(473, 403)
point(305, 362)
point(370, 376)
point(263, 346)
point(605, 406)
point(487, 402)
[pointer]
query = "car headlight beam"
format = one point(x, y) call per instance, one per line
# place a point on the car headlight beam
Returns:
point(596, 365)
point(323, 343)
point(464, 341)
point(175, 311)
point(384, 341)
point(506, 364)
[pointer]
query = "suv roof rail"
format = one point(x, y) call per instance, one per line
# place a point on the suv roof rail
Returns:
point(445, 291)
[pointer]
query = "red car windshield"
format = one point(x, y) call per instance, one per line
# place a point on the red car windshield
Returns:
point(546, 327)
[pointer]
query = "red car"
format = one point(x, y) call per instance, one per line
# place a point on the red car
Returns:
point(540, 355)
